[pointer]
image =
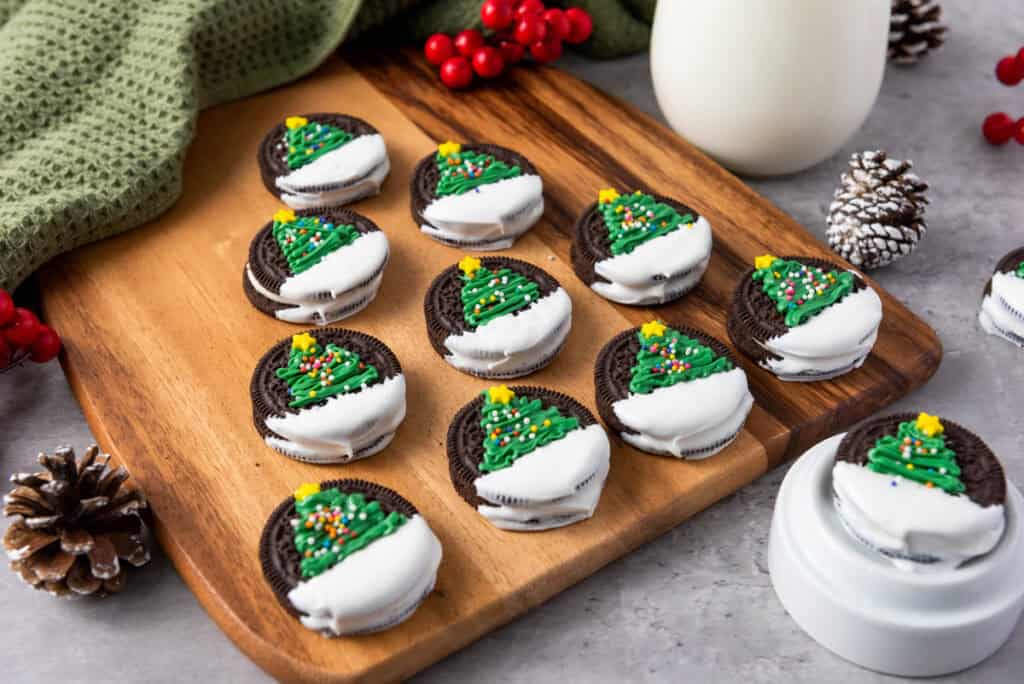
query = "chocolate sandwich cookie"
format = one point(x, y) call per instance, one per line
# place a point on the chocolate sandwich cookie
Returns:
point(671, 390)
point(315, 265)
point(528, 458)
point(348, 557)
point(328, 396)
point(476, 196)
point(497, 317)
point(919, 489)
point(803, 318)
point(641, 249)
point(1002, 307)
point(323, 160)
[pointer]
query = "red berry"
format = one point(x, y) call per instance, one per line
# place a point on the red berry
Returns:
point(488, 62)
point(530, 29)
point(529, 7)
point(46, 346)
point(5, 353)
point(998, 128)
point(581, 25)
point(6, 307)
point(511, 51)
point(466, 42)
point(456, 72)
point(547, 50)
point(1008, 71)
point(23, 330)
point(1020, 59)
point(496, 14)
point(438, 48)
point(1019, 134)
point(558, 24)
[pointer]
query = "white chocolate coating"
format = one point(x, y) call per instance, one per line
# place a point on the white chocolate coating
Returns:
point(678, 261)
point(513, 345)
point(694, 419)
point(910, 519)
point(1002, 311)
point(342, 429)
point(374, 588)
point(352, 171)
point(489, 217)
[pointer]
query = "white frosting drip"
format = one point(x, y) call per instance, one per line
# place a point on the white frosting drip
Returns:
point(514, 343)
point(341, 270)
point(913, 519)
point(999, 310)
point(489, 217)
point(321, 311)
point(353, 170)
point(666, 256)
point(837, 338)
point(373, 588)
point(345, 424)
point(687, 416)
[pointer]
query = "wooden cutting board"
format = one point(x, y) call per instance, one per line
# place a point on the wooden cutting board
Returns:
point(161, 342)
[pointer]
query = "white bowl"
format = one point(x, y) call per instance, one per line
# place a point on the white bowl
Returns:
point(855, 602)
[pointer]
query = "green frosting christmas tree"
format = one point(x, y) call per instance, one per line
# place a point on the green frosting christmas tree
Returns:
point(462, 171)
point(637, 218)
point(667, 357)
point(331, 525)
point(800, 291)
point(514, 426)
point(918, 452)
point(315, 372)
point(309, 140)
point(487, 294)
point(305, 240)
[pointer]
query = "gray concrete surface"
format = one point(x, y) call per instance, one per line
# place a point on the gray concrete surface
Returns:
point(697, 604)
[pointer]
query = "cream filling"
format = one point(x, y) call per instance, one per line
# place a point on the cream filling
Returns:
point(489, 217)
point(1001, 310)
point(375, 587)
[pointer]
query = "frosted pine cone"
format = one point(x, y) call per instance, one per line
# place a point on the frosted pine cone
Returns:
point(915, 29)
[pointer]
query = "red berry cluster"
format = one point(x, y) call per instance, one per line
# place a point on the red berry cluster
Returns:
point(22, 335)
point(999, 127)
point(513, 27)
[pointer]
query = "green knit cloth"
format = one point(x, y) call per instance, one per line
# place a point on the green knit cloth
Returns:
point(100, 97)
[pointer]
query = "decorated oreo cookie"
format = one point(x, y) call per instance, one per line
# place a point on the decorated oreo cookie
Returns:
point(316, 265)
point(803, 318)
point(528, 458)
point(349, 557)
point(328, 396)
point(922, 491)
point(1002, 307)
point(476, 197)
point(323, 160)
point(497, 317)
point(640, 249)
point(671, 391)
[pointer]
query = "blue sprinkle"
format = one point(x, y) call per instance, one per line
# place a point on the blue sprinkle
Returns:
point(893, 484)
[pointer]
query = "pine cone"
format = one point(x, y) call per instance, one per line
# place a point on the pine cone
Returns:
point(915, 28)
point(74, 524)
point(877, 215)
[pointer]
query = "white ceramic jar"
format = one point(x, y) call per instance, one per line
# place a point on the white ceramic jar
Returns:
point(768, 87)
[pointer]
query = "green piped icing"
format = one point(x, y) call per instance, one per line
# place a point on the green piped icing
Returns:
point(314, 373)
point(917, 456)
point(466, 170)
point(308, 239)
point(670, 358)
point(516, 425)
point(1020, 270)
point(332, 525)
point(311, 141)
point(487, 294)
point(801, 291)
point(637, 218)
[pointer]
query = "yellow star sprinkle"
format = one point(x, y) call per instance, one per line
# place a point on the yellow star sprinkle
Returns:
point(303, 341)
point(293, 122)
point(284, 216)
point(469, 265)
point(653, 329)
point(765, 261)
point(500, 394)
point(607, 195)
point(306, 489)
point(446, 149)
point(929, 425)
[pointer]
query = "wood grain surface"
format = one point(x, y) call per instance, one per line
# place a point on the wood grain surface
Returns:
point(160, 343)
